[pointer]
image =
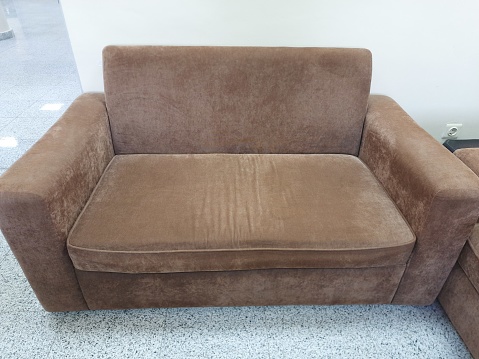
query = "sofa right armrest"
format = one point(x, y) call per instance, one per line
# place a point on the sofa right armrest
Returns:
point(42, 194)
point(435, 192)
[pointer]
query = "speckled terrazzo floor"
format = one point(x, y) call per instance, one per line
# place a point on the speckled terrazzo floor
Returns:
point(37, 69)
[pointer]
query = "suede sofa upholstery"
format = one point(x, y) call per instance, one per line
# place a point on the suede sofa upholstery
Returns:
point(460, 295)
point(221, 176)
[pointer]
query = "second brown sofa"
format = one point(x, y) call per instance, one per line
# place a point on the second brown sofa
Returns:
point(460, 295)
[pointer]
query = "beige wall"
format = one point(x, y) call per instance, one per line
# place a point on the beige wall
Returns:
point(425, 52)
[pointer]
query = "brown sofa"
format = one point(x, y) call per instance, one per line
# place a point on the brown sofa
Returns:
point(219, 176)
point(460, 295)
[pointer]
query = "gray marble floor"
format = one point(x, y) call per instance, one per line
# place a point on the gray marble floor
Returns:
point(38, 81)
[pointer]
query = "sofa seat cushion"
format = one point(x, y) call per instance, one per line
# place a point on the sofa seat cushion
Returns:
point(469, 259)
point(215, 212)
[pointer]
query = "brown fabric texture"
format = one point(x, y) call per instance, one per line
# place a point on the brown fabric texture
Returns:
point(469, 259)
point(437, 194)
point(240, 288)
point(214, 212)
point(175, 100)
point(460, 301)
point(42, 194)
point(470, 156)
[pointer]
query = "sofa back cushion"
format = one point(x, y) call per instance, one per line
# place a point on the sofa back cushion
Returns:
point(236, 99)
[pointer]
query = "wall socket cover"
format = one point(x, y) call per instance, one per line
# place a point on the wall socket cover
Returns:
point(452, 130)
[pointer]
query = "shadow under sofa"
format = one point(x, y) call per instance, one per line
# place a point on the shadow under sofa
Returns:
point(220, 176)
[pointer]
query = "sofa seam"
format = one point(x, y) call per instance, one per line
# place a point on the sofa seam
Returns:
point(239, 249)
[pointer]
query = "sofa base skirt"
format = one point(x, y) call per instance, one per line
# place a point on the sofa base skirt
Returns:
point(240, 288)
point(460, 301)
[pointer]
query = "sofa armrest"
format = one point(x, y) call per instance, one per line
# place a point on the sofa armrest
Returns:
point(42, 194)
point(437, 194)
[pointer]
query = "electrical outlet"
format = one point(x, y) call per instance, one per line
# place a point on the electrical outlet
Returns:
point(452, 130)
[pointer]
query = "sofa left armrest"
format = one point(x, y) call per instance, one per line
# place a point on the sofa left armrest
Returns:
point(437, 194)
point(42, 194)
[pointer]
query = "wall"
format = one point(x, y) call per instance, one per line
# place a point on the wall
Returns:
point(425, 52)
point(3, 20)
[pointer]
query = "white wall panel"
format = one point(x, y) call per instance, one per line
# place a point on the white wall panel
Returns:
point(425, 52)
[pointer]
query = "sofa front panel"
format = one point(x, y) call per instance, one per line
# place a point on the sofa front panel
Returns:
point(240, 288)
point(216, 212)
point(236, 99)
